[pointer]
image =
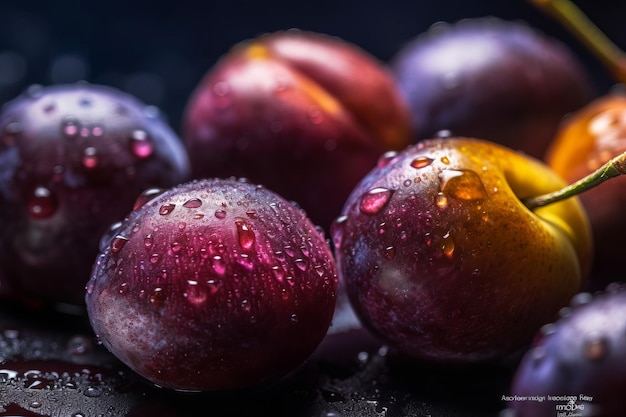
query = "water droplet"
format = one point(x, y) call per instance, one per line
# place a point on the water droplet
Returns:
point(154, 258)
point(447, 245)
point(193, 203)
point(301, 264)
point(218, 264)
point(596, 349)
point(375, 200)
point(90, 157)
point(445, 160)
point(293, 318)
point(42, 203)
point(246, 235)
point(337, 229)
point(157, 297)
point(421, 162)
point(146, 196)
point(386, 158)
point(166, 209)
point(35, 404)
point(389, 253)
point(220, 214)
point(117, 243)
point(140, 144)
point(462, 184)
point(70, 127)
point(441, 200)
point(407, 182)
point(195, 294)
point(92, 392)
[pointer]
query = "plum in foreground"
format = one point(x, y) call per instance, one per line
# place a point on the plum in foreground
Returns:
point(213, 285)
point(442, 259)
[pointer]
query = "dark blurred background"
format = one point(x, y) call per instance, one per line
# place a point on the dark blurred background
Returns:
point(159, 51)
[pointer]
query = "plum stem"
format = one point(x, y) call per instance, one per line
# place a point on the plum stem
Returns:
point(570, 15)
point(613, 168)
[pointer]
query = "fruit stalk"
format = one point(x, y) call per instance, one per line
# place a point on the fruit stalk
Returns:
point(570, 15)
point(613, 168)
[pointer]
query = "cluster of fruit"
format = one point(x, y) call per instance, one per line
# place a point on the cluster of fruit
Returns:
point(436, 179)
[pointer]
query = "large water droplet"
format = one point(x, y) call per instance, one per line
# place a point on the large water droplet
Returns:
point(140, 144)
point(375, 200)
point(386, 158)
point(220, 214)
point(462, 184)
point(166, 209)
point(192, 203)
point(441, 200)
point(246, 235)
point(42, 204)
point(90, 157)
point(421, 162)
point(117, 243)
point(389, 252)
point(146, 196)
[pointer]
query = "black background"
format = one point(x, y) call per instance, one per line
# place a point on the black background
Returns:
point(158, 51)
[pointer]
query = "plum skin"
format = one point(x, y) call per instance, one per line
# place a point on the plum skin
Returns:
point(492, 79)
point(439, 257)
point(74, 159)
point(582, 353)
point(213, 285)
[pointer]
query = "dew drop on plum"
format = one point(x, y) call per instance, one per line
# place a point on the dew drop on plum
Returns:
point(166, 209)
point(146, 196)
point(140, 144)
point(42, 204)
point(375, 200)
point(421, 162)
point(462, 184)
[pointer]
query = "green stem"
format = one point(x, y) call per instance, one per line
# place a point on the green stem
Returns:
point(615, 167)
point(587, 32)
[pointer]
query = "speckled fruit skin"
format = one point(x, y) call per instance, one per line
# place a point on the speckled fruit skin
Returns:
point(213, 285)
point(581, 354)
point(442, 260)
point(73, 159)
point(303, 113)
point(586, 140)
point(492, 79)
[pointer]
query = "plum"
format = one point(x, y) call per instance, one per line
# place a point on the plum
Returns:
point(578, 362)
point(492, 79)
point(303, 113)
point(215, 284)
point(442, 260)
point(74, 159)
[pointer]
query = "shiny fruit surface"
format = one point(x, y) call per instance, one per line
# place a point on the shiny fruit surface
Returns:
point(441, 258)
point(303, 113)
point(492, 79)
point(586, 140)
point(213, 285)
point(74, 159)
point(579, 360)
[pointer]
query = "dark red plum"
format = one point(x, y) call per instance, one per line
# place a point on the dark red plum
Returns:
point(492, 79)
point(442, 260)
point(215, 284)
point(580, 361)
point(74, 159)
point(305, 114)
